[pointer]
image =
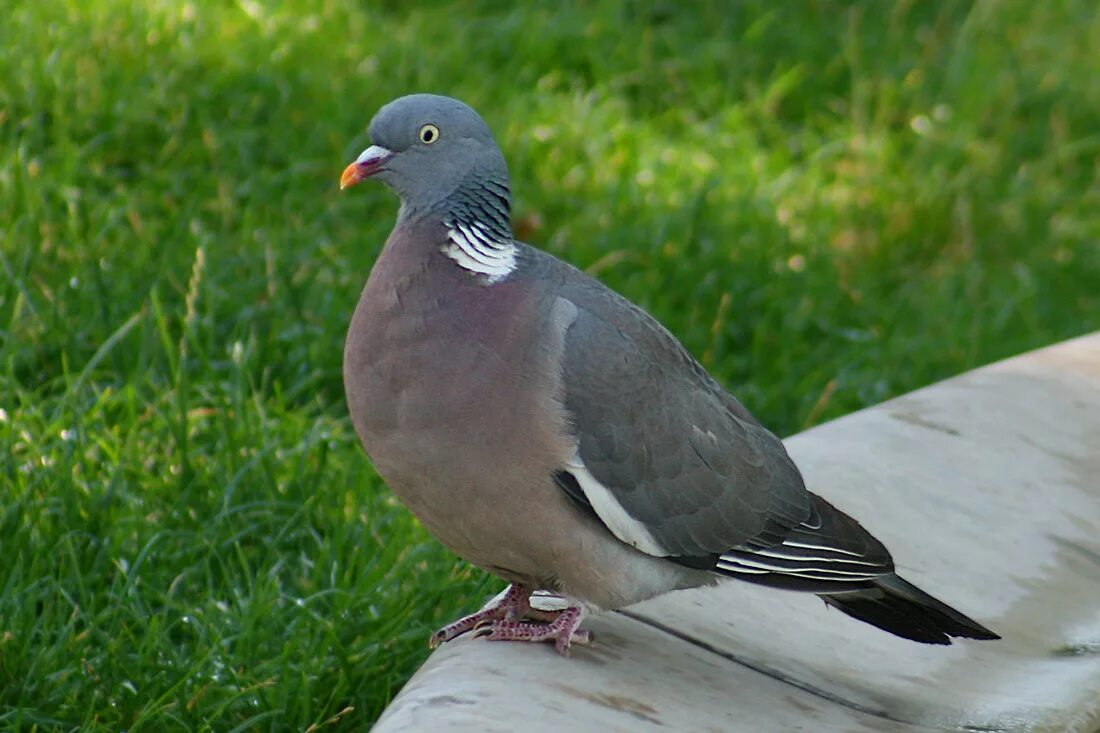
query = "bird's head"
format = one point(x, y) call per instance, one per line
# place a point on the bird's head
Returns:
point(427, 148)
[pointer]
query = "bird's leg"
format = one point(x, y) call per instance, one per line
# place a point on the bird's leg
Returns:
point(562, 630)
point(515, 605)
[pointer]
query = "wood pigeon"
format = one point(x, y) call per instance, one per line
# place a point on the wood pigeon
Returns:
point(550, 431)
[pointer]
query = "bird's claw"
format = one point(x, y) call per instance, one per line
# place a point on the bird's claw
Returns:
point(511, 618)
point(562, 631)
point(437, 638)
point(514, 603)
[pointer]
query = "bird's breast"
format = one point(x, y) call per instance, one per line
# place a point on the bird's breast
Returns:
point(453, 386)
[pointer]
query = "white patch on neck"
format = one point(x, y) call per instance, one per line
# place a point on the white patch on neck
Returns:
point(476, 250)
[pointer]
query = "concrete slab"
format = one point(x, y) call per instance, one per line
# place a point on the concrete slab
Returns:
point(985, 487)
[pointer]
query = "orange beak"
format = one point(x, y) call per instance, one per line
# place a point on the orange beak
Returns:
point(369, 162)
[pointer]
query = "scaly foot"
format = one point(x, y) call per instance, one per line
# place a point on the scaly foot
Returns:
point(562, 630)
point(515, 605)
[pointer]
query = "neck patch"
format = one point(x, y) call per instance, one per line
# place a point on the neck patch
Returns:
point(474, 247)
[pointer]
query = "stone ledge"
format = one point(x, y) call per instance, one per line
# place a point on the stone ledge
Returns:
point(986, 489)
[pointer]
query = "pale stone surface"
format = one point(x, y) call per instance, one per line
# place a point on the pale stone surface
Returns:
point(985, 487)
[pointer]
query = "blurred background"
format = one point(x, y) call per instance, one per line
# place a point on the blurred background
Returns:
point(829, 203)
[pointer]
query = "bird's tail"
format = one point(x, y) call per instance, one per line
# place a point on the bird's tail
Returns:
point(896, 605)
point(831, 555)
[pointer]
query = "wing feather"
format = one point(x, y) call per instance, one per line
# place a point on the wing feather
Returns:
point(675, 466)
point(681, 458)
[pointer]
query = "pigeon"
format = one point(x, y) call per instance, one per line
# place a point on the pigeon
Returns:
point(548, 430)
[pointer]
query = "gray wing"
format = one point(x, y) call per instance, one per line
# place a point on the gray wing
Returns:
point(671, 462)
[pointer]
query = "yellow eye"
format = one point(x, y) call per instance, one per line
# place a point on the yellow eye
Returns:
point(428, 134)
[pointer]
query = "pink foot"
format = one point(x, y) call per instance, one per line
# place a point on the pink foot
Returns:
point(562, 630)
point(514, 606)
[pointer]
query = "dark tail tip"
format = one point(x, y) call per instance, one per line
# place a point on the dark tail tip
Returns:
point(895, 605)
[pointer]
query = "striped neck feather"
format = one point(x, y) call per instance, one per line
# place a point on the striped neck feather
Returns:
point(478, 217)
point(476, 248)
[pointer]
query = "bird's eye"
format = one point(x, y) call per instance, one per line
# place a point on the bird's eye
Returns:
point(428, 134)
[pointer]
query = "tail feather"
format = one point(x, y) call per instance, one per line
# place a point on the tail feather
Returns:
point(833, 556)
point(896, 605)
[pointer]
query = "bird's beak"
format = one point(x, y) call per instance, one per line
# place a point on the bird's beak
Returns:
point(369, 162)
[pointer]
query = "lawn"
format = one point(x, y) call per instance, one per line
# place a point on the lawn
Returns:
point(830, 203)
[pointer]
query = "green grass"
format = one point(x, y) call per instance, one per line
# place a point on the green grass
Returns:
point(830, 203)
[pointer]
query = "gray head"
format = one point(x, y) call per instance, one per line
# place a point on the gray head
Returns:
point(440, 157)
